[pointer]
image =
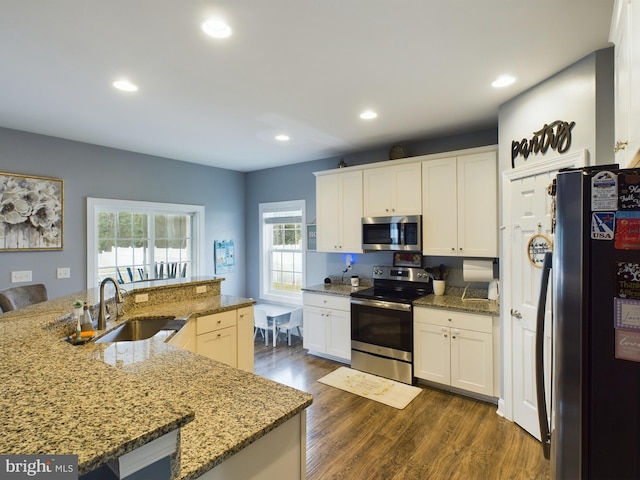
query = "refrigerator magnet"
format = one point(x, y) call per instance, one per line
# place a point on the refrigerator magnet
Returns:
point(603, 225)
point(629, 190)
point(627, 236)
point(628, 345)
point(627, 313)
point(628, 280)
point(604, 191)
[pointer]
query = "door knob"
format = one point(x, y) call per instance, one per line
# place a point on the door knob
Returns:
point(516, 313)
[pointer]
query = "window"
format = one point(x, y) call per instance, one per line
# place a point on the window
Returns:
point(282, 255)
point(138, 241)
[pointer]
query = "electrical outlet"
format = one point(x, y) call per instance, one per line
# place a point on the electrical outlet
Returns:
point(201, 289)
point(21, 276)
point(63, 272)
point(142, 297)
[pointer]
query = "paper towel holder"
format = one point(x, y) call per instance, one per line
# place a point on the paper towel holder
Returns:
point(493, 292)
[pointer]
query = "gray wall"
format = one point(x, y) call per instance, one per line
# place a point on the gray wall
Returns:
point(94, 171)
point(297, 182)
point(583, 93)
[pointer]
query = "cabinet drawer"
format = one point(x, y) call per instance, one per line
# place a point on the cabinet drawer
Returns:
point(450, 318)
point(209, 323)
point(327, 301)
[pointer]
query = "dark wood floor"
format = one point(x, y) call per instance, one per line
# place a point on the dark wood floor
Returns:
point(439, 435)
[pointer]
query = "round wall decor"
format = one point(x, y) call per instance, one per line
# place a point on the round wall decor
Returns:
point(538, 245)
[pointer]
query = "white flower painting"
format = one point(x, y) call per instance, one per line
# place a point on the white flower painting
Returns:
point(30, 213)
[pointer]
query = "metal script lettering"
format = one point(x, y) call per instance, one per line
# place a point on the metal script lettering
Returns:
point(556, 135)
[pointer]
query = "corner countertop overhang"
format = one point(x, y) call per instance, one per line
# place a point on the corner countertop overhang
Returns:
point(100, 401)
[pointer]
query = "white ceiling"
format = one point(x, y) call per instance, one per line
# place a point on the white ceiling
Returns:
point(306, 68)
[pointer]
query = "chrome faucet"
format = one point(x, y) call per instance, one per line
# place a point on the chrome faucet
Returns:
point(102, 315)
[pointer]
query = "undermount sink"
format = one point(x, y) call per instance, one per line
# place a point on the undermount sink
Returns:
point(139, 328)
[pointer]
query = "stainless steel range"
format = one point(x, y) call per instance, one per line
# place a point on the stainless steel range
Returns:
point(382, 322)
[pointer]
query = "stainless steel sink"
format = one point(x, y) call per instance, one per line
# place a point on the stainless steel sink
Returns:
point(139, 328)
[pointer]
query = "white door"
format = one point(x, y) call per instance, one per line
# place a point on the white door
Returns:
point(529, 213)
point(530, 216)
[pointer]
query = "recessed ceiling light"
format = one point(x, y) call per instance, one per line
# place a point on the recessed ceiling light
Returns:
point(125, 86)
point(282, 138)
point(503, 81)
point(217, 28)
point(368, 115)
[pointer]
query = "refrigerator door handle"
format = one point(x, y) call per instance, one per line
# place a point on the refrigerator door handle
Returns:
point(545, 435)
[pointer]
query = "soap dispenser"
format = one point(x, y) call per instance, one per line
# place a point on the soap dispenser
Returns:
point(87, 322)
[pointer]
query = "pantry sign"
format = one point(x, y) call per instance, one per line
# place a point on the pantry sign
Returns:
point(555, 136)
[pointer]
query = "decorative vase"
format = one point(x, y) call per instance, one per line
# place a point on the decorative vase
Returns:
point(438, 287)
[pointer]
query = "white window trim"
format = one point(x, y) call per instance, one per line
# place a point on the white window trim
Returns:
point(264, 281)
point(93, 204)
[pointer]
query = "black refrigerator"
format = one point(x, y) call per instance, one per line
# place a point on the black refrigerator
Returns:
point(594, 270)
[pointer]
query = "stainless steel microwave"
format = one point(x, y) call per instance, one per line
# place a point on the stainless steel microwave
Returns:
point(392, 233)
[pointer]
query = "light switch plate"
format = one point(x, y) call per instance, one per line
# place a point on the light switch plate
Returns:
point(21, 276)
point(63, 272)
point(201, 289)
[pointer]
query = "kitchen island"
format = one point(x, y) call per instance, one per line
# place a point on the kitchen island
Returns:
point(102, 401)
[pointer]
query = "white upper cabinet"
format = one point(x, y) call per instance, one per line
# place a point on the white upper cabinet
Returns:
point(625, 34)
point(440, 207)
point(460, 206)
point(393, 190)
point(339, 212)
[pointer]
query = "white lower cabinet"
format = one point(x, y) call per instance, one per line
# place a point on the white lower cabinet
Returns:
point(454, 348)
point(327, 326)
point(226, 337)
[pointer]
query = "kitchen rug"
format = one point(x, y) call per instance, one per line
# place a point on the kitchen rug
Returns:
point(383, 390)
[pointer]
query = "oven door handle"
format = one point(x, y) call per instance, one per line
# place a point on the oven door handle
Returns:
point(403, 307)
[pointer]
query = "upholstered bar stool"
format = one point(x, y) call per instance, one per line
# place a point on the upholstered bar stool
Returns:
point(19, 297)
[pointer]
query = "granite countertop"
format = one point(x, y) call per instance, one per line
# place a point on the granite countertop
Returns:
point(102, 400)
point(451, 300)
point(341, 290)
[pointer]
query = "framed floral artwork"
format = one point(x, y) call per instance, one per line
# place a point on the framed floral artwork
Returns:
point(31, 211)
